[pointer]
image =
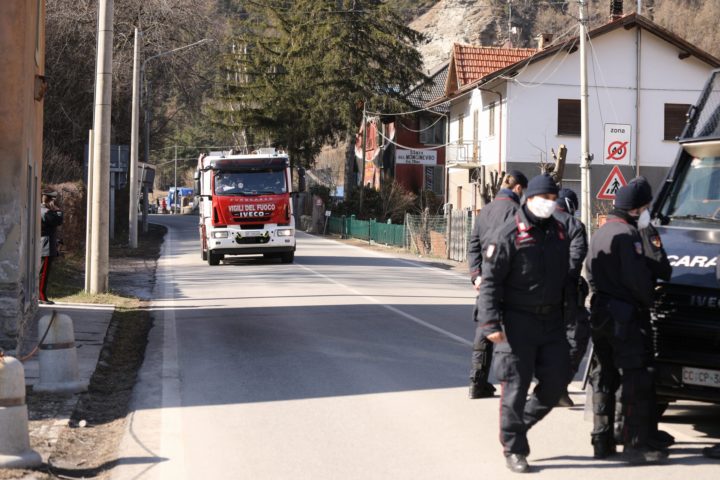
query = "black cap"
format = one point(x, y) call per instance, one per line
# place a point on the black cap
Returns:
point(567, 200)
point(631, 196)
point(519, 176)
point(645, 189)
point(540, 185)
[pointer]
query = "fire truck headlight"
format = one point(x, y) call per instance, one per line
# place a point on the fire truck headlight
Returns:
point(220, 234)
point(284, 232)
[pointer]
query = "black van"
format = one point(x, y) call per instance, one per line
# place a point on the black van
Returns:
point(686, 316)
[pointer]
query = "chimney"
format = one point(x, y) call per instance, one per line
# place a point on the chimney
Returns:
point(543, 40)
point(616, 9)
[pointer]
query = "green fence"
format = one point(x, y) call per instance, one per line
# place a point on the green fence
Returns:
point(384, 233)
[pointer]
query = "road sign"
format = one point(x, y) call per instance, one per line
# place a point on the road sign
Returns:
point(613, 183)
point(617, 144)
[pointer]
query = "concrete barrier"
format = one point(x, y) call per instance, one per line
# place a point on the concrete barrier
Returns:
point(58, 356)
point(15, 449)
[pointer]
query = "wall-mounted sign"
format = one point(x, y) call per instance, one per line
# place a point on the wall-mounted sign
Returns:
point(416, 157)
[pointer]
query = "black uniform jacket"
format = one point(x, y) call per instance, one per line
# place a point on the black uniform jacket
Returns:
point(656, 257)
point(492, 216)
point(49, 221)
point(617, 266)
point(525, 267)
point(578, 243)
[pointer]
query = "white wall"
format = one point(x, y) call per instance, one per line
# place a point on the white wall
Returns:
point(534, 92)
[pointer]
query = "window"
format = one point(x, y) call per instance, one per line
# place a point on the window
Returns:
point(432, 130)
point(568, 117)
point(675, 116)
point(491, 120)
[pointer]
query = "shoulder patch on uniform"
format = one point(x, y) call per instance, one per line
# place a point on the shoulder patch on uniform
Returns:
point(638, 248)
point(490, 250)
point(655, 240)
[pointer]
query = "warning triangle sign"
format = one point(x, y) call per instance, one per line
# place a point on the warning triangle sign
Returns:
point(613, 183)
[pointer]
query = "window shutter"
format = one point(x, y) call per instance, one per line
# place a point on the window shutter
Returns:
point(568, 117)
point(675, 117)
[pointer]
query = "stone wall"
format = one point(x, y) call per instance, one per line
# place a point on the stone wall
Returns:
point(22, 83)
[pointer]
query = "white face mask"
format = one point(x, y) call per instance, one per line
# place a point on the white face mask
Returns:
point(541, 207)
point(644, 219)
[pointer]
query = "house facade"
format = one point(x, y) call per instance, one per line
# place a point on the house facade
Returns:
point(641, 81)
point(22, 55)
point(408, 147)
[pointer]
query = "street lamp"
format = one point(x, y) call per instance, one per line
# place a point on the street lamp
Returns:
point(147, 109)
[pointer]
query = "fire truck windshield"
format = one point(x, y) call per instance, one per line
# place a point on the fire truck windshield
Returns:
point(696, 192)
point(251, 182)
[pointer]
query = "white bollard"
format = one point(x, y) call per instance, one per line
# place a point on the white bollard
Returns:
point(15, 449)
point(58, 356)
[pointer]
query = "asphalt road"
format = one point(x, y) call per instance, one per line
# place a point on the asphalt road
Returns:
point(348, 364)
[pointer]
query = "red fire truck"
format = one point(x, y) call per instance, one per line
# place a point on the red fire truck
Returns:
point(245, 206)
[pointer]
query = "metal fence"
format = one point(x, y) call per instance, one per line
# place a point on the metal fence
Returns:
point(426, 235)
point(379, 232)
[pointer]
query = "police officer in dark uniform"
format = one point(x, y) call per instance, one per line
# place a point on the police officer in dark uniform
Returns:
point(622, 283)
point(659, 264)
point(51, 217)
point(520, 309)
point(492, 215)
point(576, 315)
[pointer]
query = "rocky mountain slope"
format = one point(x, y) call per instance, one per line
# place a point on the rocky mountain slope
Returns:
point(517, 22)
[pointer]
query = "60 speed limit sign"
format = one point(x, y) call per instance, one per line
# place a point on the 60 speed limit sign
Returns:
point(617, 144)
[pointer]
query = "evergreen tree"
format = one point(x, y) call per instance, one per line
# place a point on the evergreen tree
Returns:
point(302, 71)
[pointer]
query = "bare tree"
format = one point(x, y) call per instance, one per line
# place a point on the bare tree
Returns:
point(179, 81)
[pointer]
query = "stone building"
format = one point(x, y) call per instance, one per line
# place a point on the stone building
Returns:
point(22, 86)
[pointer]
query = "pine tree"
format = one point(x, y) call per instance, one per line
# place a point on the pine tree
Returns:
point(303, 70)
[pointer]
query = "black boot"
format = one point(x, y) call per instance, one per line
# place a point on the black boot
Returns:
point(481, 389)
point(643, 456)
point(603, 446)
point(517, 463)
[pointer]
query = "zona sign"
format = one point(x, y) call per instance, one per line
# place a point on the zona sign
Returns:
point(612, 184)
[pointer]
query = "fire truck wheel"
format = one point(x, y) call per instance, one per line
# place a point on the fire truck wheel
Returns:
point(287, 257)
point(213, 259)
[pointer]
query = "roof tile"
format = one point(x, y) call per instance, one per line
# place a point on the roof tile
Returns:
point(473, 63)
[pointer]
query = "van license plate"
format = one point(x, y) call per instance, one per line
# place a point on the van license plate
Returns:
point(699, 376)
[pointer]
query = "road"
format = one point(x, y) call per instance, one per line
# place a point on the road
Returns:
point(348, 364)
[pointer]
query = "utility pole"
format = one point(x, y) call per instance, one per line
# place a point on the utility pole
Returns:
point(362, 164)
point(176, 197)
point(88, 216)
point(101, 150)
point(133, 211)
point(585, 157)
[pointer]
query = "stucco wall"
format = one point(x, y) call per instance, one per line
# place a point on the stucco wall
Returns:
point(528, 121)
point(22, 57)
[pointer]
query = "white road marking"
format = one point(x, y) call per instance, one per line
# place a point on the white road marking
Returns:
point(374, 300)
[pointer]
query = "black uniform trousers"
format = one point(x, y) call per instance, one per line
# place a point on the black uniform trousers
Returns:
point(536, 347)
point(578, 336)
point(481, 355)
point(623, 358)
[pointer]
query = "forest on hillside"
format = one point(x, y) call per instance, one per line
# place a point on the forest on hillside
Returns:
point(181, 88)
